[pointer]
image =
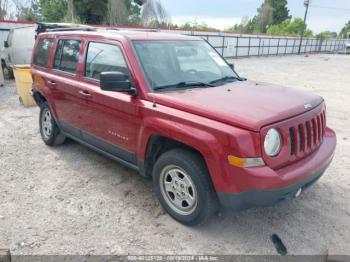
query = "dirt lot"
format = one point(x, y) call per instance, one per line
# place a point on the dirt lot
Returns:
point(70, 200)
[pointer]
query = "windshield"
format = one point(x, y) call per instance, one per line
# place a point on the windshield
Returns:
point(182, 64)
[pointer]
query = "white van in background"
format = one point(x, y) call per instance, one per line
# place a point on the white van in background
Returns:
point(20, 42)
point(18, 46)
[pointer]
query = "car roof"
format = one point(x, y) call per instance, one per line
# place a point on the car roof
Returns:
point(123, 34)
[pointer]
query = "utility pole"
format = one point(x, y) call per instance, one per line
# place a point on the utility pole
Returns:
point(306, 4)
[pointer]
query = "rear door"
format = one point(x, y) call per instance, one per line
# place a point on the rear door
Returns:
point(41, 67)
point(64, 83)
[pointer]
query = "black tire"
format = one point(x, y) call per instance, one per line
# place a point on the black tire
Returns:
point(7, 72)
point(194, 167)
point(55, 137)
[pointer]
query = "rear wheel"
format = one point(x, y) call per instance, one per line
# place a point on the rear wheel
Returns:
point(50, 132)
point(182, 184)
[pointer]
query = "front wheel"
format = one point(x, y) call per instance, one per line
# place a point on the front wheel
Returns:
point(182, 184)
point(50, 132)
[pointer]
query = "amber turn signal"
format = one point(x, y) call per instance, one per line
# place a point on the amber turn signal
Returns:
point(245, 162)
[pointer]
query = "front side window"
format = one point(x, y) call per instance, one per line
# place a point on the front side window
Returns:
point(174, 64)
point(41, 53)
point(102, 57)
point(67, 55)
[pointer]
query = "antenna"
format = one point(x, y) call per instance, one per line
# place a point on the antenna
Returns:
point(154, 101)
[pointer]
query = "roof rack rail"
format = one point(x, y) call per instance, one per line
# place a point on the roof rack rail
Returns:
point(111, 28)
point(54, 27)
point(136, 29)
point(71, 29)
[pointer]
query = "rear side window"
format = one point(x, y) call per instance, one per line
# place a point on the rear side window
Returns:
point(67, 55)
point(102, 57)
point(41, 53)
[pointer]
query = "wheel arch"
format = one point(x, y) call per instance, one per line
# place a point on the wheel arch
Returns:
point(157, 145)
point(159, 136)
point(39, 98)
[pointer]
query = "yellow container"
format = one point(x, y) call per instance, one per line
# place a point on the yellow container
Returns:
point(24, 83)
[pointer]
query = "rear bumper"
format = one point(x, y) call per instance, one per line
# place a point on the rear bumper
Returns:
point(268, 187)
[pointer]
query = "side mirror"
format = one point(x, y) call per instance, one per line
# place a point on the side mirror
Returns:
point(232, 66)
point(6, 44)
point(117, 82)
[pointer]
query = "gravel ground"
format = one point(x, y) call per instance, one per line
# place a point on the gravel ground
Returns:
point(71, 200)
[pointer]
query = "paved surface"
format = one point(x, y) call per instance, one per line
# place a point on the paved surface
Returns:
point(70, 200)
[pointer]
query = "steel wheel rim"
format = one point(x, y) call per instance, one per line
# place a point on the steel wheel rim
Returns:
point(178, 190)
point(46, 124)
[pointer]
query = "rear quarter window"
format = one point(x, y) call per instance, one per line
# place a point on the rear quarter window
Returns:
point(42, 52)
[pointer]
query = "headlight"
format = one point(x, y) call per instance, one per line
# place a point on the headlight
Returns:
point(273, 142)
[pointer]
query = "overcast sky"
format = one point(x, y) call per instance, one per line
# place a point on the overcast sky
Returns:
point(323, 14)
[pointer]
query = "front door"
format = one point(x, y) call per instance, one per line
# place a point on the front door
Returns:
point(111, 120)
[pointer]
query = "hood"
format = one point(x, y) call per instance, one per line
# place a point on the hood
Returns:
point(245, 104)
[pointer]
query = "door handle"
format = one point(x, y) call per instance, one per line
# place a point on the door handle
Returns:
point(85, 93)
point(51, 83)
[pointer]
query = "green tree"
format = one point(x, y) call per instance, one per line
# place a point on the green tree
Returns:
point(157, 24)
point(29, 12)
point(34, 11)
point(201, 27)
point(345, 30)
point(154, 10)
point(134, 11)
point(326, 35)
point(91, 11)
point(280, 11)
point(264, 17)
point(122, 12)
point(246, 26)
point(271, 12)
point(117, 13)
point(289, 28)
point(187, 26)
point(52, 10)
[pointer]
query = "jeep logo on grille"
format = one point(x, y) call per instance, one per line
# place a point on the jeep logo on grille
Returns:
point(307, 106)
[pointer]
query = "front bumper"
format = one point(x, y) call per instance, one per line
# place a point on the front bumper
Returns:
point(268, 187)
point(255, 198)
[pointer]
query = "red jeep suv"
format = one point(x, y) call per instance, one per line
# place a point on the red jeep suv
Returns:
point(170, 107)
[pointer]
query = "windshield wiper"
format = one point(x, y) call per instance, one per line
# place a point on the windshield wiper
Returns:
point(183, 84)
point(225, 79)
